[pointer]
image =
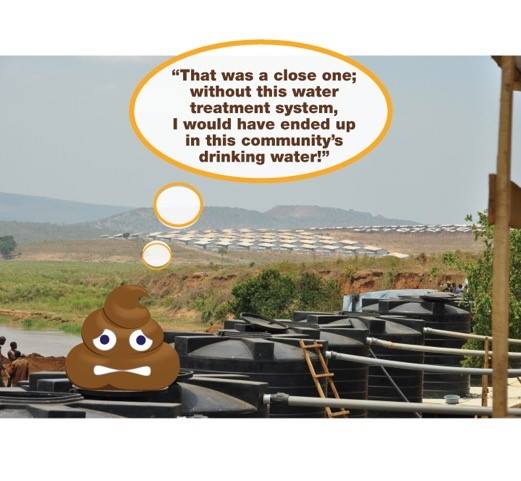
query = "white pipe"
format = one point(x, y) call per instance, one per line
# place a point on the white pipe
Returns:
point(303, 401)
point(464, 335)
point(433, 349)
point(415, 366)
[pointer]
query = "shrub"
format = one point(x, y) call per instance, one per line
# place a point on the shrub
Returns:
point(7, 246)
point(314, 293)
point(270, 294)
point(212, 310)
point(273, 294)
point(479, 275)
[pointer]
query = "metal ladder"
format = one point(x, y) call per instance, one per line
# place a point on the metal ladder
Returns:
point(317, 347)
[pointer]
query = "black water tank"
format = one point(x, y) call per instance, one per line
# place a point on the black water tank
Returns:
point(169, 336)
point(279, 362)
point(351, 379)
point(190, 395)
point(346, 336)
point(438, 313)
point(342, 335)
point(404, 330)
point(247, 327)
point(17, 402)
point(409, 382)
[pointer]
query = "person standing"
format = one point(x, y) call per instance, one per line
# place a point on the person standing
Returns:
point(12, 353)
point(19, 370)
point(2, 342)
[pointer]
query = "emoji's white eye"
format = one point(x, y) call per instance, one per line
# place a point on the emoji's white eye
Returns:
point(139, 341)
point(105, 341)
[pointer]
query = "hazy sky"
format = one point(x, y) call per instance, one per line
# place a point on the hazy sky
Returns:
point(65, 133)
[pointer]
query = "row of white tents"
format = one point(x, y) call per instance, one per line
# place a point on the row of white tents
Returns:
point(417, 228)
point(282, 240)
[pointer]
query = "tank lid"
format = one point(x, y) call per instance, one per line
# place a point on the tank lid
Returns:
point(263, 323)
point(380, 325)
point(328, 318)
point(303, 315)
point(440, 297)
point(240, 348)
point(422, 307)
point(341, 336)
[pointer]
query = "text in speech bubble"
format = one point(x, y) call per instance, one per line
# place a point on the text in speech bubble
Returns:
point(261, 111)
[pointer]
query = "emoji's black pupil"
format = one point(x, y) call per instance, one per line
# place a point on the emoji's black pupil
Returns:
point(141, 340)
point(104, 339)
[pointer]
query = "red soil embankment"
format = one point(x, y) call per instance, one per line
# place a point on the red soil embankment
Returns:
point(37, 363)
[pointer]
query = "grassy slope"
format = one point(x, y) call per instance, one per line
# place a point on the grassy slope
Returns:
point(61, 293)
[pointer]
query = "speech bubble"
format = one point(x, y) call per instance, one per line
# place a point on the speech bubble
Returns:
point(178, 205)
point(156, 255)
point(261, 111)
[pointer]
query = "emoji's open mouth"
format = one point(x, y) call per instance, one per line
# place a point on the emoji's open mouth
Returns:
point(141, 371)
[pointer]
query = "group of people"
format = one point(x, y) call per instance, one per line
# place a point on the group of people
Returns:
point(15, 367)
point(454, 288)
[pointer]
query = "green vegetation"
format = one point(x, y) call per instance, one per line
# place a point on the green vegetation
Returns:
point(273, 294)
point(32, 323)
point(59, 294)
point(315, 293)
point(479, 275)
point(61, 287)
point(391, 274)
point(270, 294)
point(7, 246)
point(212, 308)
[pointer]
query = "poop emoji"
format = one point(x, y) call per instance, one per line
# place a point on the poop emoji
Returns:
point(122, 347)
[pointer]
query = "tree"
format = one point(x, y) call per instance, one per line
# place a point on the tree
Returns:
point(7, 246)
point(270, 294)
point(273, 294)
point(315, 293)
point(479, 275)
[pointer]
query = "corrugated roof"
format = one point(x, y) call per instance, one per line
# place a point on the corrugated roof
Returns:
point(399, 255)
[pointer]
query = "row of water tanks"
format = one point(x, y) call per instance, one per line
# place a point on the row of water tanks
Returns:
point(226, 374)
point(269, 351)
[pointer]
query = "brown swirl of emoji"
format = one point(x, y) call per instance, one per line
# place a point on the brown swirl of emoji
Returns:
point(122, 347)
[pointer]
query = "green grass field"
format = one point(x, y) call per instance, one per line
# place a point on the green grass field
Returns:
point(60, 294)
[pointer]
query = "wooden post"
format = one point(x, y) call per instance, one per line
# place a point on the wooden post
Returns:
point(501, 266)
point(484, 378)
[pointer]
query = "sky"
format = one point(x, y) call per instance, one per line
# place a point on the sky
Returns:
point(65, 133)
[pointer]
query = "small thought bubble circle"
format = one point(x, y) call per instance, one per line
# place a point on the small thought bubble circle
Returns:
point(157, 255)
point(178, 205)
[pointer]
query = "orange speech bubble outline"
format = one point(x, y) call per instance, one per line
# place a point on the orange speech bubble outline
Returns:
point(284, 43)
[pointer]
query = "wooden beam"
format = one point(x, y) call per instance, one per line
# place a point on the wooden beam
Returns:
point(501, 263)
point(515, 202)
point(517, 78)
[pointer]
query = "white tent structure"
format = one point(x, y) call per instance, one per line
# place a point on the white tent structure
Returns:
point(398, 255)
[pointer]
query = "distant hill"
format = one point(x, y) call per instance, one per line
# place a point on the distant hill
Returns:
point(26, 232)
point(28, 208)
point(139, 220)
point(315, 216)
point(281, 217)
point(32, 219)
